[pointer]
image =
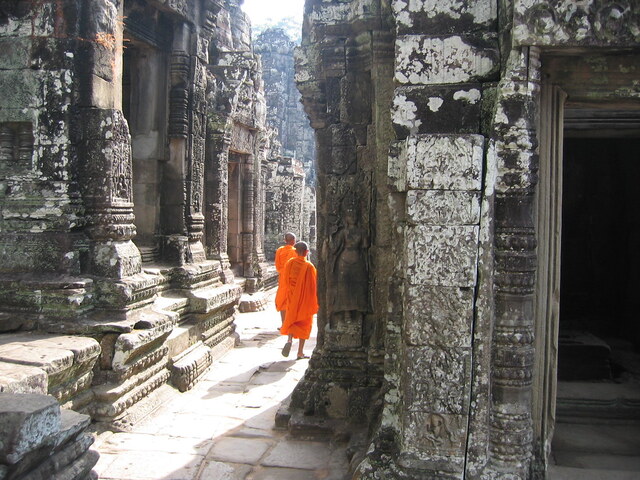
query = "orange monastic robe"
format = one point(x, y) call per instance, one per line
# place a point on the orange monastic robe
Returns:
point(299, 277)
point(283, 255)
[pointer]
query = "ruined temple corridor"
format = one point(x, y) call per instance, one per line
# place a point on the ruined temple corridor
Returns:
point(224, 428)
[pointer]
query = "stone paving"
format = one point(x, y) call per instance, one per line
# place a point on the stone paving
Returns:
point(223, 429)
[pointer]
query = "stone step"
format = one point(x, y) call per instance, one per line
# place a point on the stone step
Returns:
point(42, 441)
point(189, 367)
point(22, 379)
point(67, 362)
point(207, 300)
point(597, 400)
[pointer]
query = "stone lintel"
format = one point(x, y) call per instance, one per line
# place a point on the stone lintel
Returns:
point(594, 23)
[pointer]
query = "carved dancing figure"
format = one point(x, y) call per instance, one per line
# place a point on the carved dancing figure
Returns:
point(347, 247)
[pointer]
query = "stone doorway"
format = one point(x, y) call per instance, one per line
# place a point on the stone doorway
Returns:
point(588, 363)
point(144, 104)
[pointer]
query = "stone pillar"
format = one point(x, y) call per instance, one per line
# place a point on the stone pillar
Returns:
point(174, 202)
point(514, 144)
point(248, 213)
point(342, 47)
point(216, 193)
point(104, 147)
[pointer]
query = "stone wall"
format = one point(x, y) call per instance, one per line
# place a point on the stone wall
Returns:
point(284, 209)
point(293, 143)
point(114, 211)
point(429, 116)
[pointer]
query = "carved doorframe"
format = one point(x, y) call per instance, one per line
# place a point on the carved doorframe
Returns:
point(547, 291)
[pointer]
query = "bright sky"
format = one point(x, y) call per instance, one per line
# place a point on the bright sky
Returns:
point(261, 10)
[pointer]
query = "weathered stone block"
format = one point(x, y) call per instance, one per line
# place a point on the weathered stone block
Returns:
point(131, 345)
point(22, 379)
point(82, 348)
point(20, 89)
point(444, 16)
point(188, 369)
point(438, 315)
point(436, 441)
point(212, 299)
point(441, 60)
point(26, 422)
point(51, 360)
point(438, 162)
point(434, 207)
point(442, 256)
point(115, 259)
point(440, 381)
point(590, 23)
point(15, 53)
point(441, 109)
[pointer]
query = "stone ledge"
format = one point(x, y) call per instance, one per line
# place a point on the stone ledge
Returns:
point(190, 366)
point(63, 365)
point(210, 299)
point(16, 378)
point(26, 422)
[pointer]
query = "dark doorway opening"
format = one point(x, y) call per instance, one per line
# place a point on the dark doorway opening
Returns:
point(600, 281)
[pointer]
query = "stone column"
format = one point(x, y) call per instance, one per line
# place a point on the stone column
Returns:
point(515, 146)
point(216, 194)
point(248, 213)
point(104, 148)
point(174, 202)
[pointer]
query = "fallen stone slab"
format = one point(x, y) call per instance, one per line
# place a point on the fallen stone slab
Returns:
point(253, 302)
point(26, 422)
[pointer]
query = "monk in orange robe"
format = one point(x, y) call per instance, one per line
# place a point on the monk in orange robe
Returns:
point(299, 277)
point(283, 255)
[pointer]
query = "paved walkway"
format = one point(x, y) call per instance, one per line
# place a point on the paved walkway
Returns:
point(223, 429)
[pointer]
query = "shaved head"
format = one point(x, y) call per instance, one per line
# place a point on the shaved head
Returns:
point(290, 238)
point(301, 248)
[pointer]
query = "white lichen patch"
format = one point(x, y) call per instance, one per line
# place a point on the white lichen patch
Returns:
point(404, 113)
point(435, 103)
point(482, 11)
point(472, 96)
point(442, 60)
